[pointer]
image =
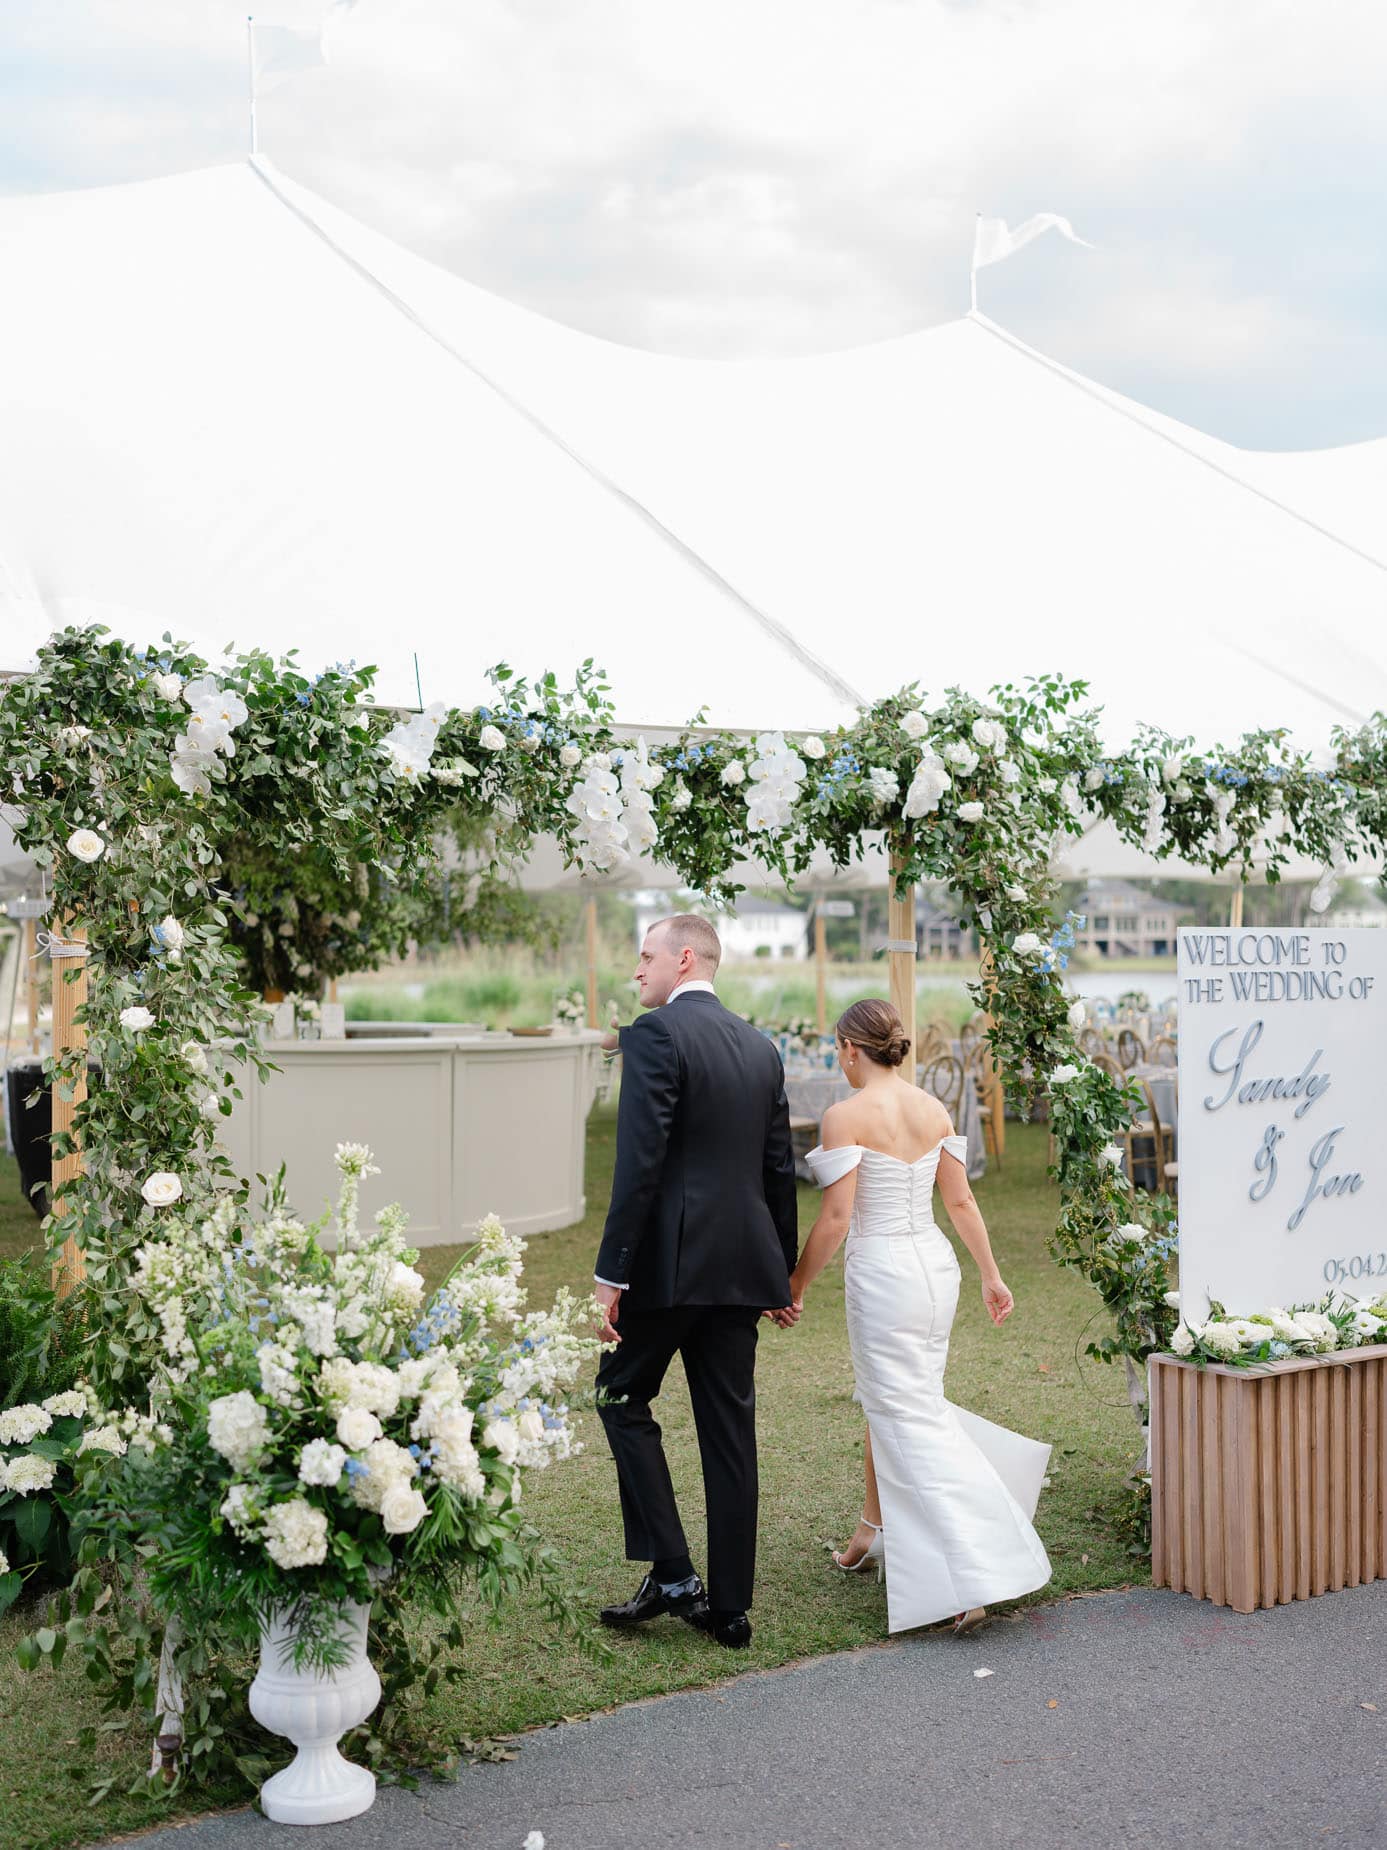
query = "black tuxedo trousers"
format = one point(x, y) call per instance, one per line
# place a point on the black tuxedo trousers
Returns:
point(717, 1345)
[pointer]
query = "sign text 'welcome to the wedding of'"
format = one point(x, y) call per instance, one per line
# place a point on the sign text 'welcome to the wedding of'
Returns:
point(1283, 1045)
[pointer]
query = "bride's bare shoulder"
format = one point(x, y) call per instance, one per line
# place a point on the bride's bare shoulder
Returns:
point(840, 1122)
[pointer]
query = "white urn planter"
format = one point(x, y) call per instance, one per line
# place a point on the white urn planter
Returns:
point(314, 1708)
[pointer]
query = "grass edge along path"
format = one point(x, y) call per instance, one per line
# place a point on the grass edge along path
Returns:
point(1030, 1375)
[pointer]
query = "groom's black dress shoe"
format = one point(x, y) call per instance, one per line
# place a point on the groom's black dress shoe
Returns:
point(732, 1629)
point(651, 1599)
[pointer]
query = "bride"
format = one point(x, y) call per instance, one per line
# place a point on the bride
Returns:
point(949, 1495)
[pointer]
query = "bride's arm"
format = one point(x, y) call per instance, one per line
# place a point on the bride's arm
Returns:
point(968, 1224)
point(829, 1231)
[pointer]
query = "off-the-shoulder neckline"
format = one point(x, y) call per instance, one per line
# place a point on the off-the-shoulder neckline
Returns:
point(905, 1162)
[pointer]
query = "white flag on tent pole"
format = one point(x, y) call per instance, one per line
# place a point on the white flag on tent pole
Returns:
point(282, 52)
point(992, 240)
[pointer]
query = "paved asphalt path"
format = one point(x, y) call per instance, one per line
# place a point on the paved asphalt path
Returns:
point(1121, 1721)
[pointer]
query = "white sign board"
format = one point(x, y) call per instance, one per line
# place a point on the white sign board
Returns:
point(1283, 1036)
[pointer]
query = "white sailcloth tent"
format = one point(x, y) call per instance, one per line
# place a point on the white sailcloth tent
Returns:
point(241, 414)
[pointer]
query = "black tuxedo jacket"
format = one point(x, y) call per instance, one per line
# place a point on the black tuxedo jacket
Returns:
point(703, 1199)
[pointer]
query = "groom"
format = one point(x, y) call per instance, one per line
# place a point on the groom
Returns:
point(700, 1238)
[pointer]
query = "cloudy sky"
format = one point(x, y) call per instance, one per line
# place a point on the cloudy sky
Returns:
point(740, 177)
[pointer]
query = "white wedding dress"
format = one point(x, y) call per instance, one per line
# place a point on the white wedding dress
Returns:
point(957, 1492)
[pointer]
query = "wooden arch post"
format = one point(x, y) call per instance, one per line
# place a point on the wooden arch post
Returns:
point(901, 954)
point(68, 952)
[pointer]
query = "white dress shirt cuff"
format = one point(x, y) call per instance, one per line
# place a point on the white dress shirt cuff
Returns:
point(610, 1283)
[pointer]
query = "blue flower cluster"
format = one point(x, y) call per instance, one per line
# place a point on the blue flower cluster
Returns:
point(1057, 956)
point(440, 1318)
point(847, 764)
point(1225, 774)
point(694, 755)
point(1112, 774)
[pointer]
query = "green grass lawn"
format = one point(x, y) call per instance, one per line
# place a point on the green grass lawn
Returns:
point(1028, 1375)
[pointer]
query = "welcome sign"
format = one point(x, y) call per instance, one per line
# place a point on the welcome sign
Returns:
point(1283, 1040)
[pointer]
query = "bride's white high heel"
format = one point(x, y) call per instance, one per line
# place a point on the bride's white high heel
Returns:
point(874, 1551)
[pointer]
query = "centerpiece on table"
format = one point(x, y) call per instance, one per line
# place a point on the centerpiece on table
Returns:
point(571, 1011)
point(330, 1438)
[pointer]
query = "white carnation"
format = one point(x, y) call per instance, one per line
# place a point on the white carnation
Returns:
point(295, 1534)
point(321, 1462)
point(136, 1019)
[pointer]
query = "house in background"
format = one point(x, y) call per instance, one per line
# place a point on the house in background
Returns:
point(939, 934)
point(1123, 921)
point(753, 928)
point(1366, 909)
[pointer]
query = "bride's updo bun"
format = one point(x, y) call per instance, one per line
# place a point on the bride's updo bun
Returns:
point(877, 1029)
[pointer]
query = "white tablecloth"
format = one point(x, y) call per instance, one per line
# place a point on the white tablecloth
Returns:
point(811, 1093)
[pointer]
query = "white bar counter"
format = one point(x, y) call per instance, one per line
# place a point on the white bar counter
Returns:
point(462, 1124)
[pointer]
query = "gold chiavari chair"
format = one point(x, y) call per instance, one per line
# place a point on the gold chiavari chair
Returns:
point(1130, 1051)
point(1163, 1051)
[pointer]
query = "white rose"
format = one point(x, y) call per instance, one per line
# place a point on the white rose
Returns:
point(321, 1462)
point(1078, 1015)
point(162, 1189)
point(1111, 1154)
point(1172, 768)
point(1025, 943)
point(929, 783)
point(990, 734)
point(531, 1424)
point(959, 753)
point(1132, 1230)
point(914, 724)
point(1172, 1300)
point(491, 739)
point(681, 797)
point(971, 812)
point(1063, 1074)
point(734, 772)
point(357, 1428)
point(1182, 1342)
point(86, 844)
point(402, 1509)
point(169, 932)
point(1047, 786)
point(195, 1056)
point(1009, 771)
point(501, 1436)
point(812, 747)
point(169, 685)
point(1017, 894)
point(136, 1019)
point(570, 757)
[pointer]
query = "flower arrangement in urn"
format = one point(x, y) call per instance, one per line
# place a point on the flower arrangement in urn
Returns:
point(571, 1010)
point(331, 1434)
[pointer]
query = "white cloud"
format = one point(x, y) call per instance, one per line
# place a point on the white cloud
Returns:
point(787, 175)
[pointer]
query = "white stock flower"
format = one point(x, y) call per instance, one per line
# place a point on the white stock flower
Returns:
point(812, 747)
point(1077, 1015)
point(237, 1427)
point(734, 772)
point(914, 724)
point(86, 845)
point(990, 734)
point(136, 1019)
point(19, 1425)
point(402, 1509)
point(927, 786)
point(28, 1473)
point(321, 1463)
point(960, 754)
point(162, 1189)
point(357, 1428)
point(295, 1533)
point(491, 739)
point(1063, 1074)
point(570, 757)
point(971, 812)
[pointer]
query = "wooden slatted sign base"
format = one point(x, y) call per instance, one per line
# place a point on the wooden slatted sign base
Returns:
point(1270, 1484)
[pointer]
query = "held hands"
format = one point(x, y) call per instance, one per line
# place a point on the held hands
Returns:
point(788, 1315)
point(997, 1300)
point(608, 1301)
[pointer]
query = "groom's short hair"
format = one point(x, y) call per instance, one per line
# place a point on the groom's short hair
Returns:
point(687, 928)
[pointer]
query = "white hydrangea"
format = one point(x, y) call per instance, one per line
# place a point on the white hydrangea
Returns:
point(19, 1425)
point(886, 786)
point(321, 1463)
point(278, 1365)
point(103, 1439)
point(71, 1405)
point(295, 1533)
point(1221, 1338)
point(238, 1428)
point(241, 1510)
point(28, 1473)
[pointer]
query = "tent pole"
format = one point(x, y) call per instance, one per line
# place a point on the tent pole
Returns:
point(250, 74)
point(821, 965)
point(590, 916)
point(69, 995)
point(900, 952)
